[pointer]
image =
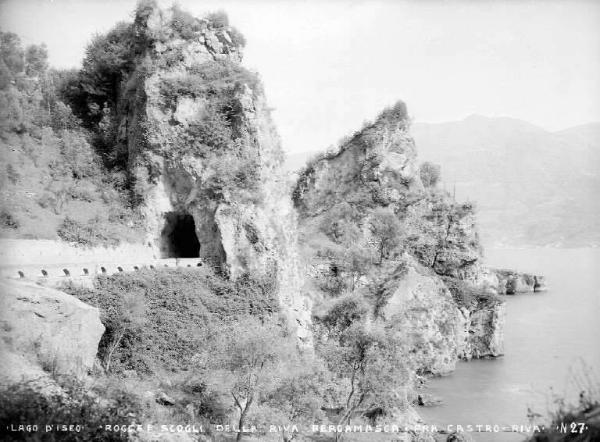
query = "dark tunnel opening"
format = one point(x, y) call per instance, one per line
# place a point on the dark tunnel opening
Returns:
point(179, 238)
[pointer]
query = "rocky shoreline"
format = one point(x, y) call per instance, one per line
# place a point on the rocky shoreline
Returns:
point(395, 274)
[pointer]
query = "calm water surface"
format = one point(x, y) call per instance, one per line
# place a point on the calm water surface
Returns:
point(547, 336)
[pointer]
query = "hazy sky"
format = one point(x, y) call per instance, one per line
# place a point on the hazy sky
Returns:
point(328, 66)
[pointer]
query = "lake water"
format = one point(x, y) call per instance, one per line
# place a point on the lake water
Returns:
point(548, 336)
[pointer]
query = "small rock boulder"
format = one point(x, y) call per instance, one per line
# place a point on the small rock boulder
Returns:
point(44, 330)
point(539, 284)
point(428, 400)
point(163, 399)
point(511, 282)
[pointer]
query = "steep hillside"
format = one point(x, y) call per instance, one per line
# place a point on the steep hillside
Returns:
point(203, 157)
point(384, 244)
point(531, 186)
point(165, 127)
point(54, 183)
point(162, 138)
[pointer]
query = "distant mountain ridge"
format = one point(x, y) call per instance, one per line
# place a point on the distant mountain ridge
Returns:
point(532, 187)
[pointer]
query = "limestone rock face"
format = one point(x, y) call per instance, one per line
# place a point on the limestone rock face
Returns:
point(377, 169)
point(463, 260)
point(378, 162)
point(45, 330)
point(482, 331)
point(439, 333)
point(511, 282)
point(422, 310)
point(205, 157)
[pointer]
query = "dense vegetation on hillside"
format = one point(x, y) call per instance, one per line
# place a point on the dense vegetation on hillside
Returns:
point(65, 161)
point(54, 182)
point(358, 230)
point(195, 337)
point(206, 348)
point(157, 320)
point(210, 347)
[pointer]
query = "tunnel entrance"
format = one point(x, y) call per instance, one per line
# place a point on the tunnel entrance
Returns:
point(178, 236)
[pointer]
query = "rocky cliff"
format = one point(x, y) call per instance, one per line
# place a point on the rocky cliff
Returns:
point(377, 164)
point(410, 248)
point(422, 312)
point(204, 157)
point(510, 282)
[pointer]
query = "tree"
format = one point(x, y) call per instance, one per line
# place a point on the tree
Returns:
point(386, 230)
point(298, 398)
point(368, 366)
point(344, 312)
point(36, 60)
point(340, 224)
point(129, 317)
point(246, 360)
point(11, 52)
point(356, 262)
point(441, 234)
point(109, 58)
point(429, 173)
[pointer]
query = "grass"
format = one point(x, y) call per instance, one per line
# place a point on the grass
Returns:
point(578, 421)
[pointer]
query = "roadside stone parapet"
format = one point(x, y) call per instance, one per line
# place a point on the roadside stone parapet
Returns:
point(53, 274)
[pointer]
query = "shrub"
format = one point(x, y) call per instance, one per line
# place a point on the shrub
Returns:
point(237, 37)
point(83, 191)
point(441, 234)
point(63, 118)
point(12, 174)
point(466, 295)
point(207, 404)
point(214, 79)
point(573, 421)
point(213, 131)
point(23, 404)
point(73, 231)
point(109, 59)
point(429, 173)
point(36, 60)
point(91, 234)
point(143, 10)
point(183, 308)
point(218, 19)
point(11, 53)
point(385, 229)
point(78, 155)
point(184, 24)
point(395, 113)
point(344, 312)
point(7, 220)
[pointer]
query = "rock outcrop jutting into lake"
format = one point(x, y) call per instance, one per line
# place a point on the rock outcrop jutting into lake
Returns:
point(374, 224)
